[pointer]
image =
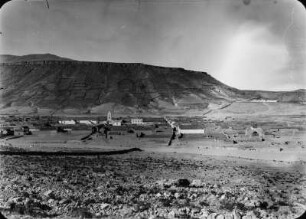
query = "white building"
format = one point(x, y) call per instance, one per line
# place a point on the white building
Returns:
point(137, 121)
point(88, 122)
point(67, 122)
point(184, 129)
point(116, 122)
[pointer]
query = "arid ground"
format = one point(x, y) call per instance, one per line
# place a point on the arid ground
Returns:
point(195, 177)
point(150, 184)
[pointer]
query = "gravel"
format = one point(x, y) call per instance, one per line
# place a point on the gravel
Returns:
point(143, 185)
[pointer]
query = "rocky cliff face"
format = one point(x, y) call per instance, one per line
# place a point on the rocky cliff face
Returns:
point(57, 84)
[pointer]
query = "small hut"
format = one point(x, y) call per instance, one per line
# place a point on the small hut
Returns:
point(252, 132)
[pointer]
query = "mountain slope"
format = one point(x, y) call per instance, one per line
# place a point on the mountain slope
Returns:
point(97, 87)
point(296, 96)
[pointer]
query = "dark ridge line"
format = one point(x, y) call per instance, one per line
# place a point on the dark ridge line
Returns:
point(99, 63)
point(64, 153)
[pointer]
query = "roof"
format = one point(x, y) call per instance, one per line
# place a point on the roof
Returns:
point(142, 127)
point(191, 127)
point(154, 119)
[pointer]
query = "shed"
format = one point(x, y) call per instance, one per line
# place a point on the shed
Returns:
point(254, 132)
point(190, 129)
point(67, 122)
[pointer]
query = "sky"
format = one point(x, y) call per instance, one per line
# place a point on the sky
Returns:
point(246, 44)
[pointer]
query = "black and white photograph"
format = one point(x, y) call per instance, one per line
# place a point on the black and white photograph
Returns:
point(153, 109)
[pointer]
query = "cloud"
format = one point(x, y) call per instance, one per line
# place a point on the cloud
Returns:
point(251, 60)
point(224, 38)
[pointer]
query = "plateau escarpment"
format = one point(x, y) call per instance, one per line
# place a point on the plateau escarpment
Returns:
point(58, 84)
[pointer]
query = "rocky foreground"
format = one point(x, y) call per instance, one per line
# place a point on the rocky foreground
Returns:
point(150, 185)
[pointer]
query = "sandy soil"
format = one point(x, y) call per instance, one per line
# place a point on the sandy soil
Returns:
point(285, 148)
point(255, 178)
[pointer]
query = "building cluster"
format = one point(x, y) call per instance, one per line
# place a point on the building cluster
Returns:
point(21, 125)
point(227, 129)
point(133, 125)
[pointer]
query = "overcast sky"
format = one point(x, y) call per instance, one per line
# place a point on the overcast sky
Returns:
point(250, 44)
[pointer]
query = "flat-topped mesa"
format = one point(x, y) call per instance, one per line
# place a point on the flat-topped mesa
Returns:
point(72, 62)
point(47, 62)
point(58, 83)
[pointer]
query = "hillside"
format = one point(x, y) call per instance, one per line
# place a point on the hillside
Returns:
point(35, 82)
point(296, 96)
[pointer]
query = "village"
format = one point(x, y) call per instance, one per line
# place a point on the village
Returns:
point(171, 128)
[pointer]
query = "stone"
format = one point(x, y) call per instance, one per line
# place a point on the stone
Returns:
point(212, 199)
point(182, 183)
point(184, 210)
point(236, 215)
point(251, 215)
point(195, 211)
point(196, 183)
point(177, 195)
point(167, 194)
point(158, 195)
point(193, 196)
point(250, 204)
point(14, 200)
point(228, 216)
point(172, 214)
point(161, 182)
point(222, 197)
point(51, 201)
point(182, 202)
point(126, 211)
point(49, 193)
point(98, 214)
point(64, 201)
point(212, 216)
point(216, 186)
point(104, 206)
point(204, 213)
point(220, 216)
